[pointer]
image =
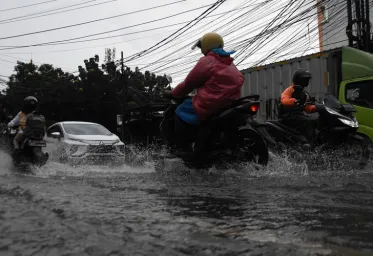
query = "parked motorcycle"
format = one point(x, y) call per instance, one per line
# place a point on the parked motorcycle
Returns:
point(222, 140)
point(334, 136)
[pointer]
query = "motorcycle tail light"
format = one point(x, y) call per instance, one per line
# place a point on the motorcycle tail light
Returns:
point(254, 108)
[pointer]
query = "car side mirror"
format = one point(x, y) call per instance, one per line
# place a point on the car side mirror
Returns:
point(55, 135)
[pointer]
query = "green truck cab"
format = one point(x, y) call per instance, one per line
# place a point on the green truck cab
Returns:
point(356, 87)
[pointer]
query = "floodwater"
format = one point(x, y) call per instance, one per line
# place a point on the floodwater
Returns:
point(284, 209)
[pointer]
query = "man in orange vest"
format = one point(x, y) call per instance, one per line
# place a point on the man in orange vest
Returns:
point(295, 101)
point(29, 106)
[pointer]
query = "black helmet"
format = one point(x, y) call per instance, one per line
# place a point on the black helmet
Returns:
point(29, 104)
point(302, 77)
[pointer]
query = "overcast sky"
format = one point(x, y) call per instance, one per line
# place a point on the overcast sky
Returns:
point(70, 56)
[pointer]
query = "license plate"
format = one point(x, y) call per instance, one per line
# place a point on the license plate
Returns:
point(37, 143)
point(13, 131)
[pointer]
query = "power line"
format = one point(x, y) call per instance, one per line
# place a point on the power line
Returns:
point(182, 48)
point(255, 18)
point(315, 29)
point(164, 41)
point(260, 34)
point(129, 40)
point(193, 61)
point(106, 32)
point(92, 21)
point(29, 5)
point(178, 50)
point(52, 12)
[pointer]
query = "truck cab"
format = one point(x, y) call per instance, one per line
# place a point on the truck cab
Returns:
point(356, 87)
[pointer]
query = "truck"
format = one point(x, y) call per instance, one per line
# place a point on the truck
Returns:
point(344, 72)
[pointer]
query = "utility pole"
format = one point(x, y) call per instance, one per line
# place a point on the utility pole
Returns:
point(349, 17)
point(120, 121)
point(124, 82)
point(367, 26)
point(358, 24)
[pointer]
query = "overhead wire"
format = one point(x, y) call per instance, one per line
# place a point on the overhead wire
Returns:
point(315, 29)
point(49, 13)
point(29, 5)
point(141, 31)
point(182, 48)
point(174, 35)
point(106, 32)
point(241, 52)
point(293, 39)
point(239, 42)
point(92, 21)
point(29, 16)
point(194, 61)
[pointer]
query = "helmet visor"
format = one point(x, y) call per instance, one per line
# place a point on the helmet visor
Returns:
point(197, 44)
point(305, 81)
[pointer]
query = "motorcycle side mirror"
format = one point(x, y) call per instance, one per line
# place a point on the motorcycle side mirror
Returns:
point(55, 135)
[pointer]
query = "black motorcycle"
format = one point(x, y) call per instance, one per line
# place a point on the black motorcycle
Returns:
point(225, 139)
point(334, 135)
point(31, 148)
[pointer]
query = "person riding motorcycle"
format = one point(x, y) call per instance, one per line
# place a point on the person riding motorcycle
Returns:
point(29, 106)
point(295, 101)
point(217, 83)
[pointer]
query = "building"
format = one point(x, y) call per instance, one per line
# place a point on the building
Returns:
point(333, 21)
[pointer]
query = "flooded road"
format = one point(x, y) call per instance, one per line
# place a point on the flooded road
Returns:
point(92, 210)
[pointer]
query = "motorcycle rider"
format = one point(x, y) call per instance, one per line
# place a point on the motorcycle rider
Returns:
point(217, 83)
point(29, 106)
point(295, 101)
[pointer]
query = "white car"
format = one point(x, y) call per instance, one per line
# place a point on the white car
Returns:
point(84, 143)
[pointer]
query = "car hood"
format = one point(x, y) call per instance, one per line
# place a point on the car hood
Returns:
point(95, 139)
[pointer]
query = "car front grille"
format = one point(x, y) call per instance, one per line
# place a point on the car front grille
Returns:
point(100, 148)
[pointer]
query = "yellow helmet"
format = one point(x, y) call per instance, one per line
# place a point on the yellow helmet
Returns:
point(208, 42)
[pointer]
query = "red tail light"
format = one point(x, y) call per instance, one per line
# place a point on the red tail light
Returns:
point(254, 108)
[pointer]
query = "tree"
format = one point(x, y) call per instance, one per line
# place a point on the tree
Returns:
point(96, 94)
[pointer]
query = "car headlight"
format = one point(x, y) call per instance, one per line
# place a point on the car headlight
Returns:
point(349, 122)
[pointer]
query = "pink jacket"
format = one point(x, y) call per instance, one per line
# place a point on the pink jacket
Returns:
point(218, 83)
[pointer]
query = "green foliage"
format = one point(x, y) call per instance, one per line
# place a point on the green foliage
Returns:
point(95, 93)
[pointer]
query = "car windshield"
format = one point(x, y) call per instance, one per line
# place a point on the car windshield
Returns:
point(86, 129)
